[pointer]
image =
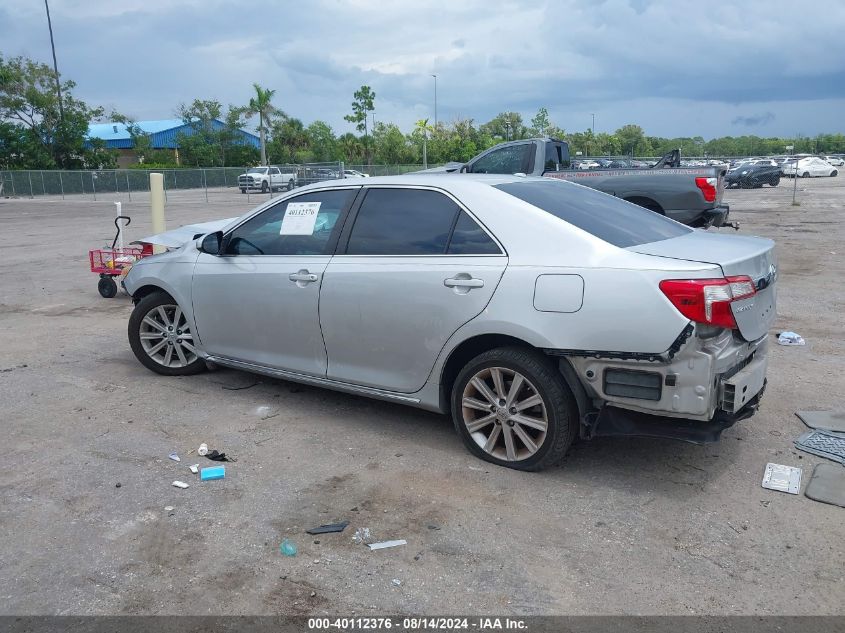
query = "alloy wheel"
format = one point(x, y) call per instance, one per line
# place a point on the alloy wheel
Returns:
point(166, 337)
point(504, 413)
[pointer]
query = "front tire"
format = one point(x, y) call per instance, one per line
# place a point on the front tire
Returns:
point(511, 407)
point(265, 188)
point(834, 173)
point(243, 190)
point(161, 337)
point(806, 174)
point(290, 185)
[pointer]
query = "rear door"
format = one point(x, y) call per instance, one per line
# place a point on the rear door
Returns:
point(412, 266)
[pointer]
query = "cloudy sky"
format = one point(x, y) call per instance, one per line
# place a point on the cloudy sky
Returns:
point(676, 67)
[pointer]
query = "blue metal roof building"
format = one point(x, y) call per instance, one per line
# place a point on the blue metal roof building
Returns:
point(162, 133)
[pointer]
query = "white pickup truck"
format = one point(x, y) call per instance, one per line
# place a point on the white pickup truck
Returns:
point(267, 178)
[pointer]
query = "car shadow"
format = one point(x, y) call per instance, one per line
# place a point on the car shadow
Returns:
point(631, 464)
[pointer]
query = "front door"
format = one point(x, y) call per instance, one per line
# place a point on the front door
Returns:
point(413, 269)
point(257, 302)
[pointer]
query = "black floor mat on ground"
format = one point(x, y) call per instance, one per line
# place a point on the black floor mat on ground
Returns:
point(823, 444)
point(827, 485)
point(827, 420)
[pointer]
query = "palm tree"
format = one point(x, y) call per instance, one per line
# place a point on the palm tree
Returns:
point(260, 105)
point(422, 127)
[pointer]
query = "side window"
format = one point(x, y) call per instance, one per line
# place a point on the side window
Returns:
point(507, 160)
point(402, 222)
point(309, 229)
point(470, 239)
point(274, 171)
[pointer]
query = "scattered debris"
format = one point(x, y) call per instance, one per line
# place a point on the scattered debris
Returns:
point(355, 509)
point(117, 485)
point(219, 457)
point(418, 556)
point(827, 485)
point(202, 451)
point(824, 444)
point(215, 472)
point(386, 544)
point(195, 468)
point(168, 508)
point(790, 338)
point(313, 593)
point(396, 582)
point(175, 456)
point(765, 502)
point(288, 548)
point(240, 387)
point(825, 420)
point(328, 528)
point(316, 541)
point(432, 526)
point(782, 478)
point(362, 535)
point(179, 484)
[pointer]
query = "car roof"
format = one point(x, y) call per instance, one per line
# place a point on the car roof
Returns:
point(441, 180)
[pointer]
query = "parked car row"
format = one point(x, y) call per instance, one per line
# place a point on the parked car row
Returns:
point(276, 178)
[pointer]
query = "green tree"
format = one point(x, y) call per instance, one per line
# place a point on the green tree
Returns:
point(506, 126)
point(390, 145)
point(351, 148)
point(540, 123)
point(322, 141)
point(364, 102)
point(261, 104)
point(631, 138)
point(54, 136)
point(289, 141)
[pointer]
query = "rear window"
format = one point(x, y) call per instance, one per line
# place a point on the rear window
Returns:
point(613, 220)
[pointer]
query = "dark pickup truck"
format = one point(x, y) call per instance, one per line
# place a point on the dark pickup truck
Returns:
point(692, 195)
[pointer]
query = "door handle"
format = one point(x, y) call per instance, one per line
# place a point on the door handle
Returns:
point(463, 281)
point(303, 276)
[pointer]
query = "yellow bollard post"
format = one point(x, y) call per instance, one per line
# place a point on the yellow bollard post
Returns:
point(157, 207)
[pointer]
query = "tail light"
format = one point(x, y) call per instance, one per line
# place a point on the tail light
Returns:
point(708, 187)
point(708, 300)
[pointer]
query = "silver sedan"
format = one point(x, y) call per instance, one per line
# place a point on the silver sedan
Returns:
point(531, 310)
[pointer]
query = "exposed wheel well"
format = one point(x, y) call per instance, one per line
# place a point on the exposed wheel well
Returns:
point(647, 203)
point(143, 291)
point(472, 347)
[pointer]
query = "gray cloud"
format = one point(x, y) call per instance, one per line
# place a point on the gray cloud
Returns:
point(670, 65)
point(753, 121)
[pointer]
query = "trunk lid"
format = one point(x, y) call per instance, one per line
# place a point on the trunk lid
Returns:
point(735, 255)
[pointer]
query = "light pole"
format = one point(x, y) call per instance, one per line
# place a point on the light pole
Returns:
point(435, 101)
point(594, 124)
point(55, 65)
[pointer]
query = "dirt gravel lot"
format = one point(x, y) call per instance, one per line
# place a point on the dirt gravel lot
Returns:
point(622, 527)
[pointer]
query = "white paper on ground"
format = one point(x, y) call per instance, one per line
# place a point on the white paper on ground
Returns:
point(384, 544)
point(300, 218)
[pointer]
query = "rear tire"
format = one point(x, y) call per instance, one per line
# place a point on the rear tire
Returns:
point(161, 337)
point(834, 173)
point(774, 182)
point(265, 188)
point(290, 185)
point(806, 174)
point(529, 429)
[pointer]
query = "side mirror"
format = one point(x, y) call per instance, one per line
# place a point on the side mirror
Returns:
point(211, 243)
point(464, 169)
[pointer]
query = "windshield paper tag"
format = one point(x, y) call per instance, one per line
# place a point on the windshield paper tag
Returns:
point(300, 218)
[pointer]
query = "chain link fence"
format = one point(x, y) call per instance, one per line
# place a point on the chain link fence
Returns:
point(180, 184)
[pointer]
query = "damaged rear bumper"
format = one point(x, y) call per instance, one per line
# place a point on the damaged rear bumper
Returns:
point(615, 422)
